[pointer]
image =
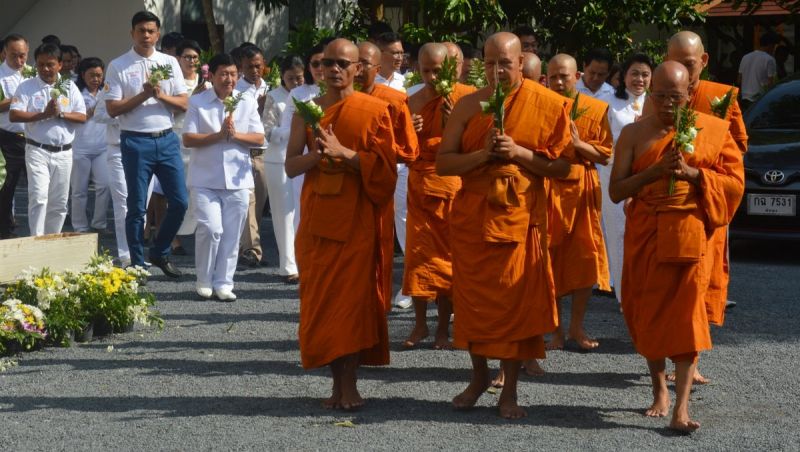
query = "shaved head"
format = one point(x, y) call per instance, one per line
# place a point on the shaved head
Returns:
point(562, 74)
point(503, 55)
point(433, 50)
point(343, 53)
point(431, 58)
point(670, 74)
point(686, 47)
point(531, 66)
point(369, 52)
point(454, 51)
point(670, 89)
point(341, 46)
point(369, 55)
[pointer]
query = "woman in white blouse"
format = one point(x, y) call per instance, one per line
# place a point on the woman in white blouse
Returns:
point(220, 175)
point(625, 107)
point(279, 187)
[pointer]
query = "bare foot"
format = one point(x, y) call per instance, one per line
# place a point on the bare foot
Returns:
point(442, 341)
point(555, 343)
point(499, 380)
point(351, 400)
point(532, 368)
point(696, 379)
point(584, 341)
point(684, 425)
point(416, 336)
point(467, 399)
point(660, 406)
point(509, 409)
point(332, 402)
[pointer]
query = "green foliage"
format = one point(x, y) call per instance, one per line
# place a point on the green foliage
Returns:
point(477, 74)
point(303, 37)
point(352, 22)
point(462, 20)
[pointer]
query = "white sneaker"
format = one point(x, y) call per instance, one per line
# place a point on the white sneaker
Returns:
point(403, 301)
point(225, 294)
point(205, 292)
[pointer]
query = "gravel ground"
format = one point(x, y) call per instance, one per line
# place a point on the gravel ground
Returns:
point(227, 376)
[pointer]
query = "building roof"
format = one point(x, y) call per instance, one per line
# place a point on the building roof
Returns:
point(717, 8)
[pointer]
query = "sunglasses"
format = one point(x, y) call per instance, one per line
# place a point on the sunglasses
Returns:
point(343, 64)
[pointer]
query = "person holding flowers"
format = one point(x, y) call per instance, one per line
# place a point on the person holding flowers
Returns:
point(350, 174)
point(428, 270)
point(221, 126)
point(50, 106)
point(577, 250)
point(503, 296)
point(685, 174)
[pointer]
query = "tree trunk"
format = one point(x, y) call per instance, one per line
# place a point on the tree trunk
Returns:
point(211, 23)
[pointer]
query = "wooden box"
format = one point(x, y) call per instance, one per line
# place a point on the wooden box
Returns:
point(58, 252)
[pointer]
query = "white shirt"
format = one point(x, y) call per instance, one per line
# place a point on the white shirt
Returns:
point(302, 93)
point(101, 115)
point(32, 96)
point(9, 82)
point(251, 89)
point(224, 164)
point(278, 139)
point(127, 74)
point(756, 68)
point(605, 90)
point(90, 137)
point(396, 81)
point(622, 112)
point(414, 89)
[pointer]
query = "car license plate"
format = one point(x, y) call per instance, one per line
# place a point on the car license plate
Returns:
point(777, 205)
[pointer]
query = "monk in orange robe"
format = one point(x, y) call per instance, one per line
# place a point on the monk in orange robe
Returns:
point(687, 48)
point(577, 249)
point(350, 174)
point(405, 140)
point(503, 294)
point(531, 66)
point(428, 266)
point(668, 238)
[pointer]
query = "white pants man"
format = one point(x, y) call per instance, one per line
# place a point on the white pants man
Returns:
point(400, 213)
point(48, 189)
point(84, 166)
point(119, 200)
point(282, 205)
point(613, 229)
point(220, 215)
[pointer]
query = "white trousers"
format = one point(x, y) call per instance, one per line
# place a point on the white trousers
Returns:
point(401, 205)
point(119, 199)
point(614, 230)
point(189, 224)
point(84, 167)
point(280, 192)
point(221, 215)
point(297, 190)
point(48, 189)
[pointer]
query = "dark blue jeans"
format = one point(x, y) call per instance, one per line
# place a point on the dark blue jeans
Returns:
point(141, 158)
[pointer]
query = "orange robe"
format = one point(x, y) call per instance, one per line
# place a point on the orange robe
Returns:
point(577, 249)
point(339, 242)
point(428, 265)
point(717, 295)
point(668, 240)
point(503, 295)
point(406, 150)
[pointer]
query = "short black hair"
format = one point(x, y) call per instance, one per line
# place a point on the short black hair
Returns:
point(246, 44)
point(171, 40)
point(188, 44)
point(643, 58)
point(390, 37)
point(250, 51)
point(13, 37)
point(222, 59)
point(292, 62)
point(51, 39)
point(525, 30)
point(145, 16)
point(769, 38)
point(601, 55)
point(66, 48)
point(378, 28)
point(319, 48)
point(49, 50)
point(85, 65)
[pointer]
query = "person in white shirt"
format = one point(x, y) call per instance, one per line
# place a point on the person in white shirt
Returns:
point(50, 109)
point(303, 93)
point(596, 67)
point(144, 104)
point(251, 66)
point(12, 138)
point(392, 55)
point(220, 175)
point(758, 69)
point(89, 157)
point(279, 186)
point(624, 107)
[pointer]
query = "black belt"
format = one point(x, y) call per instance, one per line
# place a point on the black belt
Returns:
point(158, 134)
point(48, 147)
point(15, 134)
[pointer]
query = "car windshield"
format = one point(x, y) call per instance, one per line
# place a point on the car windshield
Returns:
point(777, 109)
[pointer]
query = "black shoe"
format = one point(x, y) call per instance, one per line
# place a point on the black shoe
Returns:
point(179, 251)
point(166, 266)
point(250, 258)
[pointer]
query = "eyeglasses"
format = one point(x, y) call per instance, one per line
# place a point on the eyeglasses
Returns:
point(367, 65)
point(190, 57)
point(674, 98)
point(343, 64)
point(315, 63)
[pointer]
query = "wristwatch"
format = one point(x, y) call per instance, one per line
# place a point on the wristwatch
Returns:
point(60, 115)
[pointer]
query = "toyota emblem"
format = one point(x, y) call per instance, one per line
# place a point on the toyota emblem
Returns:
point(774, 177)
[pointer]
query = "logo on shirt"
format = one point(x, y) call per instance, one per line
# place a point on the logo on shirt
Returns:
point(38, 102)
point(64, 101)
point(106, 87)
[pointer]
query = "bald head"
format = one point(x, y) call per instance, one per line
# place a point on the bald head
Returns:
point(562, 74)
point(670, 75)
point(454, 51)
point(503, 40)
point(433, 50)
point(686, 48)
point(369, 52)
point(336, 76)
point(431, 59)
point(531, 66)
point(562, 59)
point(686, 40)
point(503, 56)
point(341, 47)
point(369, 55)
